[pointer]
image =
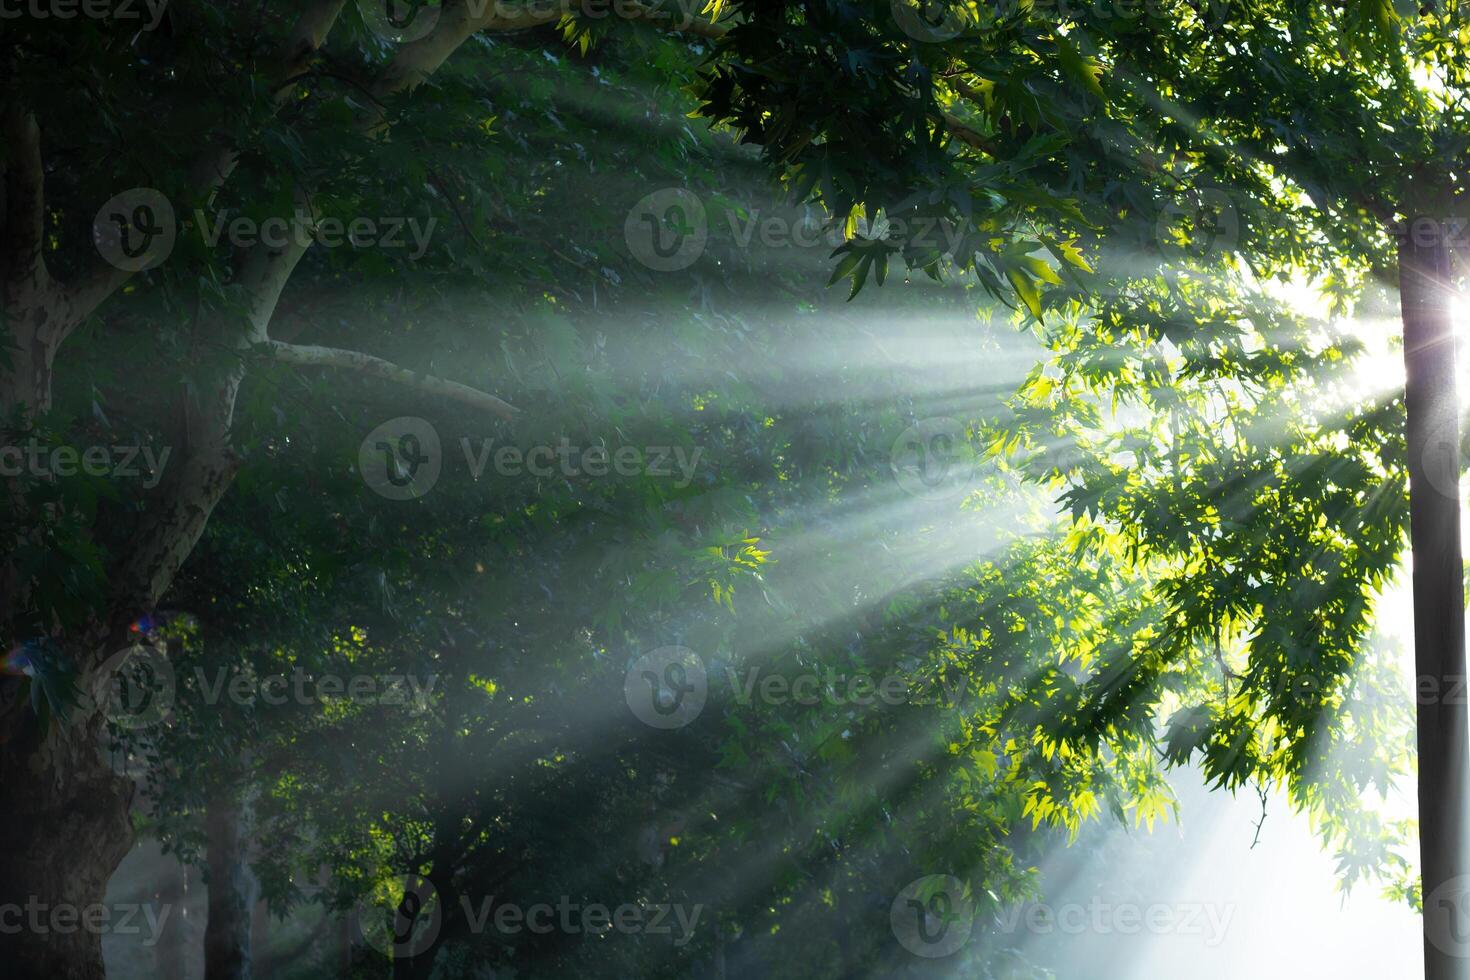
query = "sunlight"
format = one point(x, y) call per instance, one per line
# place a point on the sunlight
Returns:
point(874, 490)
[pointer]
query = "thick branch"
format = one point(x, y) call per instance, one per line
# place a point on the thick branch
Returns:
point(216, 162)
point(178, 516)
point(304, 355)
point(204, 466)
point(419, 59)
point(309, 33)
point(969, 136)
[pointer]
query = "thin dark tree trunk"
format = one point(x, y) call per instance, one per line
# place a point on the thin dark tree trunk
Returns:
point(171, 949)
point(1439, 599)
point(231, 889)
point(262, 965)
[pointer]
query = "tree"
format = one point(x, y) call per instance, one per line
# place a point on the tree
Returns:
point(530, 618)
point(81, 570)
point(1191, 153)
point(990, 144)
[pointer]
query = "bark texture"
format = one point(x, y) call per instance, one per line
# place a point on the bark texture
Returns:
point(67, 828)
point(1439, 599)
point(232, 890)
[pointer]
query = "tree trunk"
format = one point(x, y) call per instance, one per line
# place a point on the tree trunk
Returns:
point(231, 889)
point(171, 951)
point(66, 828)
point(262, 966)
point(1430, 398)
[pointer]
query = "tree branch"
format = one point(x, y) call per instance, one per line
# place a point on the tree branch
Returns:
point(307, 36)
point(969, 136)
point(177, 517)
point(216, 163)
point(204, 466)
point(419, 59)
point(305, 355)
